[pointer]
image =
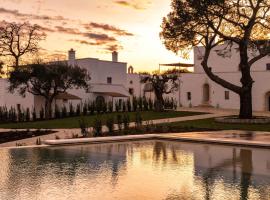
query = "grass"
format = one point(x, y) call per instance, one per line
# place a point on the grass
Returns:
point(73, 122)
point(212, 125)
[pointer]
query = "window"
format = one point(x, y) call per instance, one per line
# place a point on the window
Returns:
point(268, 66)
point(189, 96)
point(65, 101)
point(109, 80)
point(131, 91)
point(131, 82)
point(227, 95)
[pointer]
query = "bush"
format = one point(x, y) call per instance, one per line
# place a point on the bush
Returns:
point(84, 127)
point(119, 122)
point(129, 105)
point(126, 121)
point(97, 127)
point(41, 114)
point(110, 124)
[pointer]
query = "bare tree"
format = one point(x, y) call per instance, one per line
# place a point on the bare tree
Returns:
point(244, 23)
point(19, 39)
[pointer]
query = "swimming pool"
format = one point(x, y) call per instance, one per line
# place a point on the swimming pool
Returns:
point(152, 169)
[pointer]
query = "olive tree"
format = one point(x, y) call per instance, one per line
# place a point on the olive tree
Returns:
point(161, 84)
point(244, 23)
point(48, 81)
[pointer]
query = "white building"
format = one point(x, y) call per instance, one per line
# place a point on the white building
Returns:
point(196, 89)
point(112, 81)
point(108, 82)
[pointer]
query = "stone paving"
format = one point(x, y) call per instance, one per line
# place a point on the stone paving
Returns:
point(67, 133)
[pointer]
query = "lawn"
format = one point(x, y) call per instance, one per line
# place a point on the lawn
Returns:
point(212, 125)
point(73, 122)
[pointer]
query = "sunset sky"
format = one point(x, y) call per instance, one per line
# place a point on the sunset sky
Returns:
point(96, 27)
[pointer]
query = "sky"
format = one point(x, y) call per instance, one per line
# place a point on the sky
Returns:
point(94, 28)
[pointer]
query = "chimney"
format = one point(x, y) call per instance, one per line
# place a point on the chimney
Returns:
point(71, 57)
point(114, 56)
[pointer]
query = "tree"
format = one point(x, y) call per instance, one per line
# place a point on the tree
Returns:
point(244, 23)
point(19, 39)
point(161, 84)
point(48, 81)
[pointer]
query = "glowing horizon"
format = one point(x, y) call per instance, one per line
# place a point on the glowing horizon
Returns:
point(95, 28)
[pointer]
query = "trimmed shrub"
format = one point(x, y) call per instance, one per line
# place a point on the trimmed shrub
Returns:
point(145, 104)
point(104, 107)
point(78, 110)
point(117, 108)
point(57, 113)
point(140, 103)
point(27, 115)
point(110, 124)
point(71, 110)
point(110, 106)
point(64, 111)
point(97, 127)
point(84, 127)
point(129, 105)
point(126, 121)
point(85, 109)
point(119, 122)
point(124, 107)
point(34, 114)
point(151, 104)
point(41, 114)
point(135, 104)
point(138, 120)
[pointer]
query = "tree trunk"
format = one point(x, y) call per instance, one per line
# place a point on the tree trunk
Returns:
point(159, 107)
point(246, 104)
point(48, 109)
point(16, 62)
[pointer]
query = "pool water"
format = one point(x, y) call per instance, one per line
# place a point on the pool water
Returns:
point(135, 170)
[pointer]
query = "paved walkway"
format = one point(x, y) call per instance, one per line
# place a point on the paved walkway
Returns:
point(67, 133)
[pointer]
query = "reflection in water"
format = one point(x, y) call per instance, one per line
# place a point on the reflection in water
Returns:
point(135, 170)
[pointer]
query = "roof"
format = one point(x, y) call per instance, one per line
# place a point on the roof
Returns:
point(178, 65)
point(112, 90)
point(68, 96)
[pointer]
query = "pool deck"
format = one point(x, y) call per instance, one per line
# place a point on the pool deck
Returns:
point(232, 137)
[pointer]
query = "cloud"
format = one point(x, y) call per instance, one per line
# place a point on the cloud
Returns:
point(135, 4)
point(106, 46)
point(18, 14)
point(67, 30)
point(107, 27)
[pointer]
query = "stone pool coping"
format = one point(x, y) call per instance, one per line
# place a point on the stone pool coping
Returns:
point(172, 136)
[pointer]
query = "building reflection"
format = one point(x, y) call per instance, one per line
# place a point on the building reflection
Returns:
point(154, 169)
